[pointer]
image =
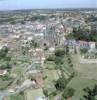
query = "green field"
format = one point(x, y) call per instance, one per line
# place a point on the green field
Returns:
point(32, 94)
point(79, 84)
point(50, 75)
point(17, 97)
point(4, 84)
point(17, 70)
point(84, 70)
point(86, 75)
point(50, 65)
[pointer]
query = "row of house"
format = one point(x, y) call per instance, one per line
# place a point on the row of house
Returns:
point(91, 46)
point(81, 44)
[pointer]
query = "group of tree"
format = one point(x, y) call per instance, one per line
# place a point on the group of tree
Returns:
point(83, 34)
point(90, 94)
point(6, 78)
point(92, 18)
point(5, 58)
point(39, 17)
point(60, 52)
point(3, 52)
point(57, 57)
point(33, 44)
point(68, 93)
point(5, 65)
point(60, 85)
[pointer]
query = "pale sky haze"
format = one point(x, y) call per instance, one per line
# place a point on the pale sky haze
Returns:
point(34, 4)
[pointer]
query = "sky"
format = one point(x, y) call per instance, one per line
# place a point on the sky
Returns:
point(35, 4)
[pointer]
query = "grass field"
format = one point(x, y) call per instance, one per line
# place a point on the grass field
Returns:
point(33, 94)
point(4, 84)
point(50, 65)
point(51, 75)
point(78, 84)
point(17, 97)
point(84, 70)
point(86, 75)
point(17, 70)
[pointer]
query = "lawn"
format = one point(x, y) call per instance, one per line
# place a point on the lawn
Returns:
point(84, 70)
point(50, 75)
point(17, 70)
point(69, 70)
point(17, 97)
point(86, 75)
point(32, 94)
point(78, 84)
point(4, 84)
point(50, 65)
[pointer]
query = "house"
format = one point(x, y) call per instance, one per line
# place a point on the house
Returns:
point(71, 42)
point(3, 72)
point(84, 44)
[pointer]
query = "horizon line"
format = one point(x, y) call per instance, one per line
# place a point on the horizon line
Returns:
point(47, 9)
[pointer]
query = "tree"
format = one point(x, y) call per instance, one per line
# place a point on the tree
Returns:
point(8, 65)
point(71, 65)
point(5, 65)
point(61, 84)
point(51, 58)
point(84, 34)
point(95, 90)
point(90, 93)
point(22, 22)
point(12, 22)
point(23, 52)
point(45, 92)
point(60, 52)
point(35, 45)
point(69, 60)
point(22, 93)
point(3, 52)
point(8, 58)
point(6, 78)
point(67, 49)
point(68, 92)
